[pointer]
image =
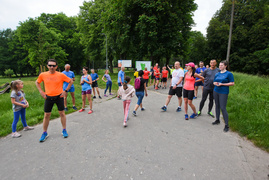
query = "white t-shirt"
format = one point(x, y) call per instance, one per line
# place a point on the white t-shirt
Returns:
point(176, 75)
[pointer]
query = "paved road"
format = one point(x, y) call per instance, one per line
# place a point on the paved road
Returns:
point(155, 145)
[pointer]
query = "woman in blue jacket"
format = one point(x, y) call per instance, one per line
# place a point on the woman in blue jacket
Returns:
point(222, 81)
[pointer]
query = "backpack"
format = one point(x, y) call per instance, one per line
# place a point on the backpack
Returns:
point(137, 83)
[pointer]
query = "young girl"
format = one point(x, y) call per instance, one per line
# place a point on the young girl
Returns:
point(86, 82)
point(188, 89)
point(127, 92)
point(108, 82)
point(19, 105)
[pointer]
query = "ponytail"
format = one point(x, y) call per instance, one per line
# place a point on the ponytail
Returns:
point(193, 71)
point(127, 79)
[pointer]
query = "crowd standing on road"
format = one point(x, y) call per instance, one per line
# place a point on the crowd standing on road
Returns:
point(216, 82)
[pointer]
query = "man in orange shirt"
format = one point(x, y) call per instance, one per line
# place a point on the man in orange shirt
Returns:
point(146, 76)
point(157, 77)
point(54, 94)
point(164, 77)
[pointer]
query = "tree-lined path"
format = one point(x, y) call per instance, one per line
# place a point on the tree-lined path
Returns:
point(155, 145)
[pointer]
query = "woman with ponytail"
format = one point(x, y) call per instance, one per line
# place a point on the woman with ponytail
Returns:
point(126, 92)
point(188, 89)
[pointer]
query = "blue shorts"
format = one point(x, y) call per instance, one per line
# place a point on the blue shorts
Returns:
point(200, 83)
point(72, 89)
point(119, 84)
point(140, 96)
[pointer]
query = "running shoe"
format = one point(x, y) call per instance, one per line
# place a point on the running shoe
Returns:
point(110, 94)
point(44, 136)
point(15, 135)
point(226, 128)
point(178, 109)
point(186, 117)
point(134, 113)
point(94, 97)
point(90, 111)
point(164, 108)
point(81, 110)
point(66, 109)
point(194, 116)
point(199, 113)
point(100, 97)
point(156, 88)
point(216, 122)
point(162, 87)
point(64, 133)
point(27, 128)
point(143, 109)
point(211, 114)
point(194, 97)
point(124, 124)
point(105, 95)
point(75, 108)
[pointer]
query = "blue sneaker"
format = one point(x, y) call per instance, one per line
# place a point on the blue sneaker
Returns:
point(194, 115)
point(66, 109)
point(75, 108)
point(186, 117)
point(194, 97)
point(44, 136)
point(134, 113)
point(164, 108)
point(64, 133)
point(143, 109)
point(178, 109)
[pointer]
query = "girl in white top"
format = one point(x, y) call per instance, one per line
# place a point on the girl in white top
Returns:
point(126, 92)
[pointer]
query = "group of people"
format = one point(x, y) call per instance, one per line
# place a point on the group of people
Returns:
point(216, 83)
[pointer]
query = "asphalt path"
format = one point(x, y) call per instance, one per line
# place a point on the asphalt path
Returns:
point(156, 145)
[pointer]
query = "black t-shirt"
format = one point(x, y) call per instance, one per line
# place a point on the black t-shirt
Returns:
point(142, 82)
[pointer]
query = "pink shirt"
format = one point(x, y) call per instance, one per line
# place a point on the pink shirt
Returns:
point(189, 82)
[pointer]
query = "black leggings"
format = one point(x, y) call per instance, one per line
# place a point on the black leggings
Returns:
point(204, 96)
point(220, 103)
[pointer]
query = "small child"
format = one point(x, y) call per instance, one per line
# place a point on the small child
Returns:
point(127, 92)
point(19, 107)
point(108, 82)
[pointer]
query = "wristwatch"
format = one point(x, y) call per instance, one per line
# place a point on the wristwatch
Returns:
point(66, 90)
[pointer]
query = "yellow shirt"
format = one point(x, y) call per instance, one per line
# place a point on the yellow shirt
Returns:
point(136, 74)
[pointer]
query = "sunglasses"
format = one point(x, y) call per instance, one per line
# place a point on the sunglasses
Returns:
point(52, 65)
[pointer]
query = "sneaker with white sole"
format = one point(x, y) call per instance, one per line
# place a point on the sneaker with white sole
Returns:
point(44, 136)
point(15, 135)
point(124, 124)
point(28, 128)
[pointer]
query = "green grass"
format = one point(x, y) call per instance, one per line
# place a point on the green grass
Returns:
point(35, 113)
point(248, 108)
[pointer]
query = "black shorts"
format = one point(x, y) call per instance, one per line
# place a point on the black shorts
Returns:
point(152, 77)
point(49, 102)
point(177, 91)
point(94, 84)
point(188, 94)
point(147, 81)
point(164, 79)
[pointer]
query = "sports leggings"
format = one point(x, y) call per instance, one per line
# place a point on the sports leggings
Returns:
point(126, 108)
point(108, 85)
point(220, 103)
point(17, 115)
point(204, 96)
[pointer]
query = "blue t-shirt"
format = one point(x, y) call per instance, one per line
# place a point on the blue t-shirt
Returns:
point(120, 75)
point(86, 86)
point(94, 76)
point(200, 71)
point(69, 74)
point(223, 78)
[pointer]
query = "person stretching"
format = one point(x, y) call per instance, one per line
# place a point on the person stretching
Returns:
point(108, 82)
point(127, 92)
point(188, 89)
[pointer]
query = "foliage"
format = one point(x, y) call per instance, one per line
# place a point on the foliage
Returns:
point(9, 72)
point(250, 34)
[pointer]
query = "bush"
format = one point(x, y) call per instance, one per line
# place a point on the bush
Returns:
point(9, 72)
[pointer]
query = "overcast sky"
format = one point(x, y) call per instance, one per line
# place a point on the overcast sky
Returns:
point(14, 11)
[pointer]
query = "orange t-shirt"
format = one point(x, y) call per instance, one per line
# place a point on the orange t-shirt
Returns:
point(146, 75)
point(53, 82)
point(165, 73)
point(157, 75)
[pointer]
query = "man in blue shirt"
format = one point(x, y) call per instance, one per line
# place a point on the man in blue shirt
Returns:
point(199, 71)
point(71, 75)
point(95, 78)
point(121, 75)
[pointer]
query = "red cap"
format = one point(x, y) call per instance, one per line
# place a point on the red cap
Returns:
point(190, 64)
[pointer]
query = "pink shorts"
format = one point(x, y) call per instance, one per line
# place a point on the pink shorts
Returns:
point(86, 92)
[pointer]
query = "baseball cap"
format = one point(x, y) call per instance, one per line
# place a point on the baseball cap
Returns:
point(190, 64)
